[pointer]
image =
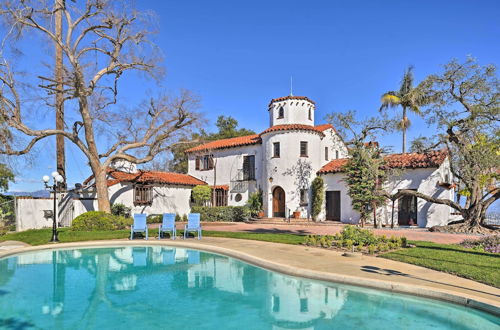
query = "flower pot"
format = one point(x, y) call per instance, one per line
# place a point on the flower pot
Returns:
point(296, 214)
point(260, 214)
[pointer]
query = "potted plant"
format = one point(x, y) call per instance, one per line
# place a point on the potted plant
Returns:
point(254, 203)
point(261, 214)
point(296, 214)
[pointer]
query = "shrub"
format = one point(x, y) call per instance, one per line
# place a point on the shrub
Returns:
point(358, 236)
point(254, 203)
point(404, 242)
point(201, 194)
point(222, 213)
point(154, 219)
point(486, 244)
point(317, 188)
point(121, 210)
point(98, 220)
point(178, 217)
point(371, 249)
point(184, 217)
point(348, 243)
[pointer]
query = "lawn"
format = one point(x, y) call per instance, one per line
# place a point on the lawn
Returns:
point(477, 266)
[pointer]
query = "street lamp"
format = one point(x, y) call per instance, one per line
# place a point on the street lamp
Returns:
point(58, 179)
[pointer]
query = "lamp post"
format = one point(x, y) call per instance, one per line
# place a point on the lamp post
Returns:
point(58, 179)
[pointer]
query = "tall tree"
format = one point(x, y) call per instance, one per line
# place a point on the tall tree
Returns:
point(102, 40)
point(408, 98)
point(466, 109)
point(364, 170)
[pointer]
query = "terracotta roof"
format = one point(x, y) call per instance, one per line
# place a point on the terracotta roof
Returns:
point(416, 160)
point(290, 97)
point(324, 127)
point(228, 143)
point(406, 160)
point(154, 177)
point(333, 166)
point(295, 127)
point(223, 187)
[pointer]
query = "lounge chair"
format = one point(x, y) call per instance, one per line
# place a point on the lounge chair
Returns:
point(139, 226)
point(193, 225)
point(167, 225)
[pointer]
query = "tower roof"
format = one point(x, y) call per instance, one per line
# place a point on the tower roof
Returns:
point(291, 97)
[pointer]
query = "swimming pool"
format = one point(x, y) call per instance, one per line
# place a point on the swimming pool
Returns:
point(176, 288)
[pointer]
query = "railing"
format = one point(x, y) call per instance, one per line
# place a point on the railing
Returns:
point(238, 183)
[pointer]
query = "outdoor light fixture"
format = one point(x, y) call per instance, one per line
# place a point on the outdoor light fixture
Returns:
point(58, 179)
point(271, 179)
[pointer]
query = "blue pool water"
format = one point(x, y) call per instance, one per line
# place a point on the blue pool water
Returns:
point(174, 288)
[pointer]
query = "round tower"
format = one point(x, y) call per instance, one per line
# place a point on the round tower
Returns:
point(291, 110)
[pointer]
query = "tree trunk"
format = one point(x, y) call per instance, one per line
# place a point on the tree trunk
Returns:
point(60, 153)
point(101, 186)
point(404, 129)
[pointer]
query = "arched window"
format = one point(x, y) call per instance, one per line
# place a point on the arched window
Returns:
point(281, 113)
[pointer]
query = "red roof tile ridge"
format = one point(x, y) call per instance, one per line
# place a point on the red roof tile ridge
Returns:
point(291, 97)
point(228, 143)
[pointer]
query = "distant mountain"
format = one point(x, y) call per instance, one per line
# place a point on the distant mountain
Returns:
point(38, 193)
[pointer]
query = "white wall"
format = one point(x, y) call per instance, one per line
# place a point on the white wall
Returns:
point(424, 180)
point(294, 112)
point(227, 164)
point(30, 215)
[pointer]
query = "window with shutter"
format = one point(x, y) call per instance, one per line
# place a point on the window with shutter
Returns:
point(303, 149)
point(197, 163)
point(249, 167)
point(143, 195)
point(210, 162)
point(326, 153)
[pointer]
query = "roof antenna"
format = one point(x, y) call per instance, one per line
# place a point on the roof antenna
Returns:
point(291, 86)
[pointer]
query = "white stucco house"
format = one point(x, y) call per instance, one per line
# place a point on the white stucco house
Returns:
point(283, 160)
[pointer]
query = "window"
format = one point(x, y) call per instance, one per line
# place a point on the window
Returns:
point(304, 200)
point(326, 153)
point(220, 196)
point(204, 163)
point(143, 195)
point(281, 113)
point(238, 198)
point(303, 149)
point(276, 150)
point(249, 167)
point(310, 115)
point(336, 154)
point(304, 308)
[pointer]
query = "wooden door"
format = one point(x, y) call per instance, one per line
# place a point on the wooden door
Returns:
point(407, 211)
point(278, 202)
point(333, 205)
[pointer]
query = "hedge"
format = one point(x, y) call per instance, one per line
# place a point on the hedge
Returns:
point(98, 220)
point(222, 213)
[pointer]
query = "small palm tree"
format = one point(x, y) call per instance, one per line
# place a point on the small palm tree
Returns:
point(409, 98)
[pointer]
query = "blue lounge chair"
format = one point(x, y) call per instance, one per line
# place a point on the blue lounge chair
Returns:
point(167, 225)
point(193, 225)
point(139, 226)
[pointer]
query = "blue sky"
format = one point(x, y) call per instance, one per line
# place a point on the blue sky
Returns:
point(237, 55)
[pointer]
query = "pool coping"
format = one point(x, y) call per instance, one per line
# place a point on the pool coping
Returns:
point(479, 303)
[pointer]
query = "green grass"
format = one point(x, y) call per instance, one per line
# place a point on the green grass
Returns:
point(42, 236)
point(478, 266)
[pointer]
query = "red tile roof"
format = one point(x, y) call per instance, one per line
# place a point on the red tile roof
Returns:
point(228, 143)
point(416, 160)
point(154, 177)
point(406, 160)
point(295, 127)
point(290, 97)
point(223, 187)
point(255, 138)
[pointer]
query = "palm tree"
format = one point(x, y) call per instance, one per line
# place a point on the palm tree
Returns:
point(409, 98)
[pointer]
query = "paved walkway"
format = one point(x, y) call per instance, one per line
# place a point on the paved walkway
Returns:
point(330, 265)
point(416, 234)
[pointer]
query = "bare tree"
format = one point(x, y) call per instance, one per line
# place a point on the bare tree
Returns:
point(101, 40)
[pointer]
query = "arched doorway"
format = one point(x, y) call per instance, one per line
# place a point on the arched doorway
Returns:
point(278, 202)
